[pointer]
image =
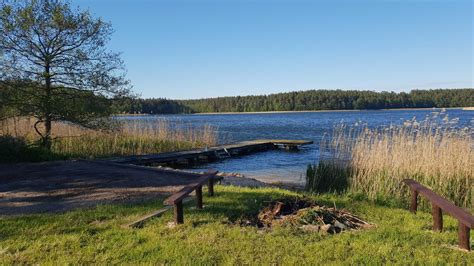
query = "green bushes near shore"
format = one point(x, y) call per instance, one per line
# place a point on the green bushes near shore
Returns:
point(435, 152)
point(311, 100)
point(18, 150)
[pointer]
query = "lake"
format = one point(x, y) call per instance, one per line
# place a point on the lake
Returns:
point(280, 165)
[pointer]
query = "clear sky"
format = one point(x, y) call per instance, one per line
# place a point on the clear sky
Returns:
point(195, 49)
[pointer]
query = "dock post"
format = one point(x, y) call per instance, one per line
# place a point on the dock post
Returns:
point(199, 197)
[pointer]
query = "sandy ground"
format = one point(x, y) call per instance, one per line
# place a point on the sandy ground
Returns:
point(65, 185)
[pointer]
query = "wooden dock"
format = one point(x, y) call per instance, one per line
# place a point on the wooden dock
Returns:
point(211, 154)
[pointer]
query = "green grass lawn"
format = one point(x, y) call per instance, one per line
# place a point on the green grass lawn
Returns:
point(207, 237)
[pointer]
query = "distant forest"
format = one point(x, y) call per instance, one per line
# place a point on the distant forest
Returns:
point(309, 100)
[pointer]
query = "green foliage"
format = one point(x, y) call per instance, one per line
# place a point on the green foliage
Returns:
point(327, 177)
point(208, 236)
point(55, 64)
point(17, 150)
point(159, 106)
point(312, 100)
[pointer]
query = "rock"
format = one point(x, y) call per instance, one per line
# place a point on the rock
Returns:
point(310, 227)
point(327, 229)
point(340, 225)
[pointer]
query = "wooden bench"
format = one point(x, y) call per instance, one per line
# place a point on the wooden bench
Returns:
point(176, 200)
point(438, 205)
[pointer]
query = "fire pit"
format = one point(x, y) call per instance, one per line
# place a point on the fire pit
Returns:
point(306, 215)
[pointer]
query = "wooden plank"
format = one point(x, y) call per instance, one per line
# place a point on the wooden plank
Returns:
point(455, 211)
point(145, 218)
point(141, 221)
point(185, 191)
point(290, 142)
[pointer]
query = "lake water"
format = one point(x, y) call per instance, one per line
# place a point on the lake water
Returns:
point(280, 165)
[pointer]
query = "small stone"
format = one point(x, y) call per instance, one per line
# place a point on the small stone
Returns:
point(327, 228)
point(340, 225)
point(171, 225)
point(310, 227)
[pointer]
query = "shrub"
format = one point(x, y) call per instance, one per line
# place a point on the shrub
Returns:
point(17, 150)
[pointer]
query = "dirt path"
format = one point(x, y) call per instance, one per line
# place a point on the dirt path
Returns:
point(65, 185)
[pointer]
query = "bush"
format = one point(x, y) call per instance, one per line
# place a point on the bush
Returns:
point(17, 150)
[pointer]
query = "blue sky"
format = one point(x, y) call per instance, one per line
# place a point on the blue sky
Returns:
point(196, 49)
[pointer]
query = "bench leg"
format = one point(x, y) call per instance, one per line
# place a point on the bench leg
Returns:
point(463, 234)
point(437, 218)
point(199, 197)
point(210, 187)
point(178, 212)
point(414, 201)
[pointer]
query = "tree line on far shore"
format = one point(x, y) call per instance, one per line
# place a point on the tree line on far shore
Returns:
point(306, 101)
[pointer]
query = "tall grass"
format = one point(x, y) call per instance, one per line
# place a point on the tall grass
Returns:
point(127, 138)
point(435, 152)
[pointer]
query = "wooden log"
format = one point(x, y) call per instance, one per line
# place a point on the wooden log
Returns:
point(437, 218)
point(463, 234)
point(178, 212)
point(199, 197)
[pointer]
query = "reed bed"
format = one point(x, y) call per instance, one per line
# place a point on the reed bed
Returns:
point(374, 161)
point(125, 138)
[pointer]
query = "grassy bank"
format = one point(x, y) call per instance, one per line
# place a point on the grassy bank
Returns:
point(209, 237)
point(126, 138)
point(434, 152)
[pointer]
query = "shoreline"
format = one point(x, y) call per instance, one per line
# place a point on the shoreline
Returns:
point(311, 111)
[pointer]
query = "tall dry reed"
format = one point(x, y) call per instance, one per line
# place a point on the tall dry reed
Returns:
point(128, 138)
point(435, 152)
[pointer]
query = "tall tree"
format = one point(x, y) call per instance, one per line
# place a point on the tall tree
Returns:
point(55, 61)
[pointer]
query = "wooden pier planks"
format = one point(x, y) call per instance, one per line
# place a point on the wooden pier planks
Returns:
point(240, 148)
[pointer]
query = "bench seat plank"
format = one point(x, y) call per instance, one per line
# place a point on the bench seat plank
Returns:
point(185, 191)
point(463, 216)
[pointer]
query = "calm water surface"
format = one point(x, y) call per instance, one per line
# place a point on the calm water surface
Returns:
point(281, 165)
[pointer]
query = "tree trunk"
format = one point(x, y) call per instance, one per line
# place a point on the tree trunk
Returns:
point(46, 141)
